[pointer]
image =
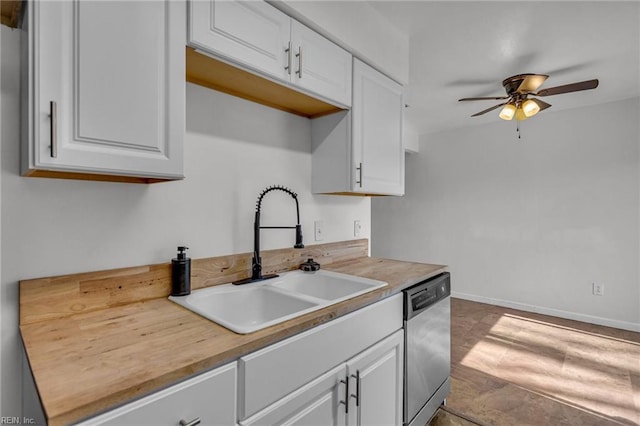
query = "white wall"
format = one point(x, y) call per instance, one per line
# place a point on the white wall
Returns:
point(233, 150)
point(528, 223)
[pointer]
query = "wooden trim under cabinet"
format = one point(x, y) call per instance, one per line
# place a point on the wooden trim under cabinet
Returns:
point(92, 176)
point(215, 74)
point(10, 11)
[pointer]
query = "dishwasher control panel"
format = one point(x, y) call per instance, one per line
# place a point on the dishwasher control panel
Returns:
point(422, 295)
point(424, 298)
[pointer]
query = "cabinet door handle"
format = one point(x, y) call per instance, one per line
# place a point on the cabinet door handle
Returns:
point(357, 395)
point(299, 56)
point(193, 422)
point(359, 170)
point(53, 110)
point(346, 394)
point(288, 52)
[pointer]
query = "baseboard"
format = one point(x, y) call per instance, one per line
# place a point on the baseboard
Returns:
point(624, 325)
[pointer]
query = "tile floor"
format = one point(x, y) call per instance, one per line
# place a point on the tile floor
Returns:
point(517, 368)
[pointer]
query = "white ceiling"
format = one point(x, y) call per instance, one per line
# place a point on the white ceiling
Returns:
point(465, 49)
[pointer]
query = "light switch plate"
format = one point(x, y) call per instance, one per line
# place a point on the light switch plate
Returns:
point(318, 227)
point(356, 228)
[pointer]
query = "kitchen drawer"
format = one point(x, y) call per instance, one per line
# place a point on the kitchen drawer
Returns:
point(211, 397)
point(269, 374)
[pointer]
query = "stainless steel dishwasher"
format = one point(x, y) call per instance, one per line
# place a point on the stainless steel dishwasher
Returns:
point(427, 363)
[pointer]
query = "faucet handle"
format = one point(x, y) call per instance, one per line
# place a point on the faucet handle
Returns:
point(310, 265)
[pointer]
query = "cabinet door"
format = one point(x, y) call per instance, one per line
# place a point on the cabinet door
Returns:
point(376, 379)
point(320, 66)
point(251, 33)
point(320, 402)
point(106, 87)
point(209, 397)
point(378, 154)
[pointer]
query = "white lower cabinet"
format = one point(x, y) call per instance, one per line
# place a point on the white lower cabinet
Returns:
point(346, 372)
point(365, 390)
point(209, 397)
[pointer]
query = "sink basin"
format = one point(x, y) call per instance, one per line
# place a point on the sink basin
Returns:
point(326, 285)
point(251, 307)
point(244, 310)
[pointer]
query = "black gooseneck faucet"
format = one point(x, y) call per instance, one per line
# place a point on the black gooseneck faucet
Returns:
point(256, 263)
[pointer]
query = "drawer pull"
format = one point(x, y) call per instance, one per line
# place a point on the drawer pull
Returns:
point(53, 112)
point(193, 422)
point(299, 56)
point(288, 52)
point(359, 170)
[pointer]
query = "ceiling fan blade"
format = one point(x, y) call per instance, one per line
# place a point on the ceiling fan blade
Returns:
point(542, 104)
point(531, 82)
point(488, 109)
point(496, 98)
point(567, 88)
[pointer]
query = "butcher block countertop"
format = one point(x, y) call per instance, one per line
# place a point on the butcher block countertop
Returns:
point(97, 340)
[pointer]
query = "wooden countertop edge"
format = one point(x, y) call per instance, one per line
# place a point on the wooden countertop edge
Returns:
point(251, 342)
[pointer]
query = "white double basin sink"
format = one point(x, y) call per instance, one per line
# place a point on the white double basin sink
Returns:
point(251, 307)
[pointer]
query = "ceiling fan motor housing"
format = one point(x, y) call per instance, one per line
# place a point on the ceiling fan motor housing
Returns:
point(512, 84)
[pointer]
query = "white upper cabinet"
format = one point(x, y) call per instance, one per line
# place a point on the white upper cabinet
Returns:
point(378, 151)
point(320, 66)
point(260, 38)
point(104, 94)
point(361, 151)
point(250, 33)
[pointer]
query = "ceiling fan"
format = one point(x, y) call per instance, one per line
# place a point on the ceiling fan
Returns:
point(520, 91)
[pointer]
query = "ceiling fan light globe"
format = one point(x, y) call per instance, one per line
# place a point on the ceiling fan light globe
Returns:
point(520, 115)
point(507, 112)
point(530, 108)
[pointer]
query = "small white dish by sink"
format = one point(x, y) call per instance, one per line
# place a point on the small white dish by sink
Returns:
point(251, 307)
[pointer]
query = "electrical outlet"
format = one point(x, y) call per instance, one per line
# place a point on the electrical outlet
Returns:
point(318, 227)
point(598, 289)
point(356, 228)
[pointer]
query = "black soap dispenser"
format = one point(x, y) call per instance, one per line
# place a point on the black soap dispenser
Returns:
point(181, 273)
